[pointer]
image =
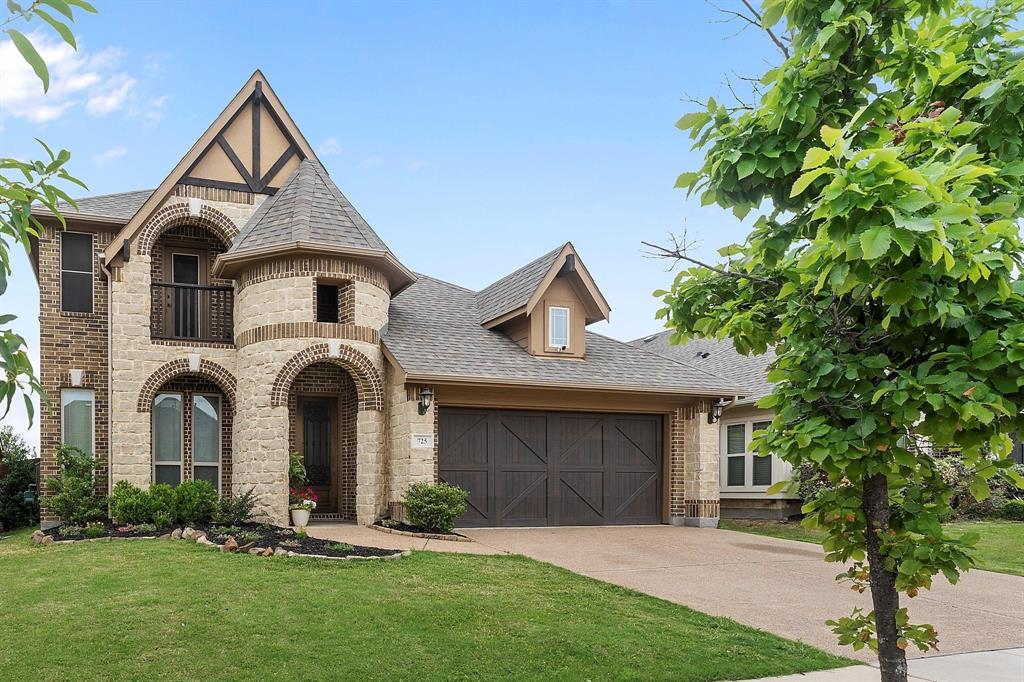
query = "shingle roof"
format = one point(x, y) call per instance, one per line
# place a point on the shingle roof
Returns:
point(309, 207)
point(434, 330)
point(114, 207)
point(515, 289)
point(722, 359)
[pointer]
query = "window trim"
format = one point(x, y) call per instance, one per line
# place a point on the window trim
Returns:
point(181, 439)
point(568, 328)
point(748, 457)
point(220, 431)
point(91, 273)
point(92, 420)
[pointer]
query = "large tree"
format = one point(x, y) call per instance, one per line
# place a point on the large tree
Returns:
point(883, 161)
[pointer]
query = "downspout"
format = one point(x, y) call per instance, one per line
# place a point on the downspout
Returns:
point(110, 374)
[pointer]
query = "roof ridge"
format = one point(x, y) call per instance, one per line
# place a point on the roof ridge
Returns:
point(420, 275)
point(665, 357)
point(522, 267)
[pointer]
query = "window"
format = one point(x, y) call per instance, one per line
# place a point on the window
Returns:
point(77, 410)
point(206, 439)
point(742, 467)
point(327, 302)
point(76, 272)
point(167, 438)
point(558, 327)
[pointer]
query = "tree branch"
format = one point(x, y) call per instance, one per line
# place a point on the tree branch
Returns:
point(678, 252)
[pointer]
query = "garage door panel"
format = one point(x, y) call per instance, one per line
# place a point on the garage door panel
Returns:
point(553, 468)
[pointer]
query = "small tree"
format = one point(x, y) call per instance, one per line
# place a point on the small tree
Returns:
point(17, 476)
point(72, 492)
point(885, 157)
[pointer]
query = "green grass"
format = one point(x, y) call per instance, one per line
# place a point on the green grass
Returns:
point(152, 609)
point(1000, 547)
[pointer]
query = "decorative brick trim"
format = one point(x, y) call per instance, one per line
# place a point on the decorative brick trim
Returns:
point(677, 465)
point(176, 214)
point(175, 368)
point(702, 509)
point(295, 330)
point(231, 196)
point(312, 266)
point(190, 343)
point(368, 381)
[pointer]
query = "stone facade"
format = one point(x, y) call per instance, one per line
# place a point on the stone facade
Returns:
point(694, 450)
point(408, 464)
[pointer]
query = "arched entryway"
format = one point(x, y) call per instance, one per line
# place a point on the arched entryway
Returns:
point(322, 406)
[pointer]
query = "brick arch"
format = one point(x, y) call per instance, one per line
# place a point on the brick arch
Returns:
point(369, 385)
point(176, 368)
point(177, 214)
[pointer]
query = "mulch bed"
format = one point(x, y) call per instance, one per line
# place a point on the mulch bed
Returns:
point(389, 525)
point(246, 535)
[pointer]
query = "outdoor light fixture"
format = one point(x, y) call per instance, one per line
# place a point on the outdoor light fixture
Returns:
point(426, 398)
point(715, 413)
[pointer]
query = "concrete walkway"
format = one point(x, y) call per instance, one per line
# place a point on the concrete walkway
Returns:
point(781, 586)
point(1004, 665)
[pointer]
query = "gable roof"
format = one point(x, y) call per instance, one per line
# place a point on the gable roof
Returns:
point(523, 288)
point(434, 334)
point(722, 358)
point(255, 88)
point(115, 208)
point(309, 207)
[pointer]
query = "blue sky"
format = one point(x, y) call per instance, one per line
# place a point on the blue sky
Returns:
point(472, 136)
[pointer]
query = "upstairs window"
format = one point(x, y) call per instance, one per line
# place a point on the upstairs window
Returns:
point(558, 327)
point(75, 272)
point(327, 302)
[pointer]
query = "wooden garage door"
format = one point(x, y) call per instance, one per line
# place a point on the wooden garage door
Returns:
point(552, 468)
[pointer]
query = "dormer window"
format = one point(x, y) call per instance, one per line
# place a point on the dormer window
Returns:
point(558, 327)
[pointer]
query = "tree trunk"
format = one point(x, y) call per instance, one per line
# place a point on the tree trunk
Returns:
point(886, 600)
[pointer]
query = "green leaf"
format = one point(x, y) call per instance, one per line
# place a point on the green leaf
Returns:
point(745, 167)
point(778, 487)
point(61, 7)
point(60, 27)
point(686, 180)
point(82, 4)
point(814, 157)
point(875, 242)
point(830, 135)
point(806, 179)
point(31, 56)
point(695, 119)
point(772, 12)
point(979, 489)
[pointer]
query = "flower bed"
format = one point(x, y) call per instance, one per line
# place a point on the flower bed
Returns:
point(389, 525)
point(252, 538)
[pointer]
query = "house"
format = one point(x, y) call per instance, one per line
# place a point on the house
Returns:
point(244, 309)
point(743, 476)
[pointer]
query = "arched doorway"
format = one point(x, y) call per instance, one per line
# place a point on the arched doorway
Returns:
point(322, 407)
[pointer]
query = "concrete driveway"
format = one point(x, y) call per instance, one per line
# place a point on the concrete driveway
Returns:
point(782, 586)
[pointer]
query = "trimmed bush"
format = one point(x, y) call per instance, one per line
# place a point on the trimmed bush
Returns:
point(161, 501)
point(195, 502)
point(435, 508)
point(234, 511)
point(130, 504)
point(1013, 510)
point(72, 493)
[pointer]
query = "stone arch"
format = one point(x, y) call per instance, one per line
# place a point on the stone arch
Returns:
point(176, 214)
point(369, 384)
point(175, 368)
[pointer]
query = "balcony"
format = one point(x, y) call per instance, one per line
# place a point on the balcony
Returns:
point(192, 312)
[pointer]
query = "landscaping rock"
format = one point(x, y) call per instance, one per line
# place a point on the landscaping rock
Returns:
point(256, 551)
point(202, 540)
point(246, 547)
point(280, 551)
point(47, 540)
point(199, 534)
point(188, 534)
point(230, 545)
point(165, 536)
point(176, 534)
point(269, 551)
point(37, 537)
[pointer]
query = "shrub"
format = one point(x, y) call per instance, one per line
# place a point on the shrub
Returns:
point(435, 507)
point(72, 492)
point(236, 510)
point(959, 478)
point(301, 534)
point(95, 530)
point(68, 531)
point(145, 528)
point(1013, 510)
point(163, 520)
point(340, 547)
point(296, 470)
point(130, 504)
point(20, 477)
point(812, 481)
point(162, 501)
point(247, 536)
point(195, 502)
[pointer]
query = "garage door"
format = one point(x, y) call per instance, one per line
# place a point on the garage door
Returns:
point(552, 468)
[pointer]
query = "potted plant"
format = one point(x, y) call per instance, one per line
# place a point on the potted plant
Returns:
point(301, 501)
point(301, 498)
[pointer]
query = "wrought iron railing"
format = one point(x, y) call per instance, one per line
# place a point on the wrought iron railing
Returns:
point(195, 312)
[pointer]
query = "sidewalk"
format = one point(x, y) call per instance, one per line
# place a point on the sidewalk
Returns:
point(1003, 665)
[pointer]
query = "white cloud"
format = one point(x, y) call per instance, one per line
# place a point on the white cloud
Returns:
point(417, 165)
point(75, 77)
point(105, 157)
point(329, 147)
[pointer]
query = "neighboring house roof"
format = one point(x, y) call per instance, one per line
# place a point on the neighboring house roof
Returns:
point(309, 207)
point(718, 356)
point(434, 333)
point(113, 208)
point(515, 289)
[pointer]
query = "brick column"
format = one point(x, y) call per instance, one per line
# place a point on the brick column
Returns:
point(694, 469)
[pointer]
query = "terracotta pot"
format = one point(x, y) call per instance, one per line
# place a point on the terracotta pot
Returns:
point(300, 517)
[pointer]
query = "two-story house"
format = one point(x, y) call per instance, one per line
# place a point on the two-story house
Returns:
point(243, 309)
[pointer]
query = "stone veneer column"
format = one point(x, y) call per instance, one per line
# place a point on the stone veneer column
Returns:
point(408, 465)
point(695, 452)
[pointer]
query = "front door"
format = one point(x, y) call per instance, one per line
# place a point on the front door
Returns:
point(318, 436)
point(185, 271)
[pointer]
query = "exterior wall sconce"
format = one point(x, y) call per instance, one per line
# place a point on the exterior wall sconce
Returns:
point(76, 376)
point(715, 413)
point(426, 399)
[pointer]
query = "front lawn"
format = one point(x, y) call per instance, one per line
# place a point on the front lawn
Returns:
point(1000, 547)
point(152, 609)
